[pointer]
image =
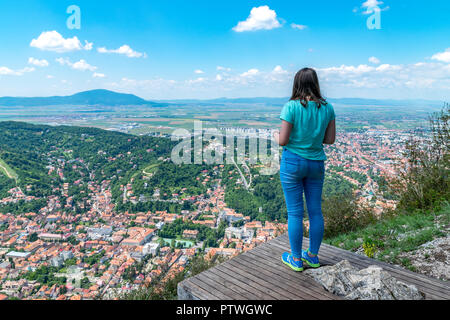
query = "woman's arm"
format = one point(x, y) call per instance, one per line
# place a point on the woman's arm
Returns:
point(282, 137)
point(330, 133)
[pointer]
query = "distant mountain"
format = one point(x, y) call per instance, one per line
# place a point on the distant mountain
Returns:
point(98, 97)
point(103, 97)
point(283, 100)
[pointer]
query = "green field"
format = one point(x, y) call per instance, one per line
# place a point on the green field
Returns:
point(144, 120)
point(6, 170)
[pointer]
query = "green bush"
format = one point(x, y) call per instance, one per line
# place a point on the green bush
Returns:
point(423, 182)
point(342, 215)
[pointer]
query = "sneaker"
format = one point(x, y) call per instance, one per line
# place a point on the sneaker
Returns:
point(289, 260)
point(311, 261)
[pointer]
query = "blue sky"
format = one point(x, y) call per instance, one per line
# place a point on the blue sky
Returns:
point(235, 48)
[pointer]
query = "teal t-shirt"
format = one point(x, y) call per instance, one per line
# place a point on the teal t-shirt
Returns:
point(309, 126)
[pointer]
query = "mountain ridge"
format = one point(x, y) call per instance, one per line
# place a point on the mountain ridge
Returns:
point(105, 97)
point(97, 97)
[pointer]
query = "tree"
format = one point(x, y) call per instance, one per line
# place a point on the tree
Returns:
point(424, 181)
point(33, 237)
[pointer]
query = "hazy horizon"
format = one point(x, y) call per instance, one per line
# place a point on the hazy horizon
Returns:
point(228, 98)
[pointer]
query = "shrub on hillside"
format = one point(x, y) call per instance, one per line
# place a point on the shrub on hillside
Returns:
point(342, 214)
point(167, 290)
point(423, 181)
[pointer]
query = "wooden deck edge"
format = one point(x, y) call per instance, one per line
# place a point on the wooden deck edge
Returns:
point(191, 289)
point(184, 292)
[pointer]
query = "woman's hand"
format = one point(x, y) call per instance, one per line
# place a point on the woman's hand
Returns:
point(276, 136)
point(282, 137)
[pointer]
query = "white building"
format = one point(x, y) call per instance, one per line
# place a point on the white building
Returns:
point(151, 248)
point(233, 232)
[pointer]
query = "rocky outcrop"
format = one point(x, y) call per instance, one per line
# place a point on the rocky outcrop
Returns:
point(372, 283)
point(431, 258)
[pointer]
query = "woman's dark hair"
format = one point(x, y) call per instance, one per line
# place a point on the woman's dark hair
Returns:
point(306, 88)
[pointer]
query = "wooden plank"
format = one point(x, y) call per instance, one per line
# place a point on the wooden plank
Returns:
point(312, 286)
point(426, 284)
point(239, 290)
point(289, 278)
point(233, 270)
point(267, 282)
point(300, 286)
point(272, 279)
point(222, 286)
point(274, 275)
point(191, 286)
point(259, 274)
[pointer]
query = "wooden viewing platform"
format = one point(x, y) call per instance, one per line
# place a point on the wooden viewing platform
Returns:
point(259, 274)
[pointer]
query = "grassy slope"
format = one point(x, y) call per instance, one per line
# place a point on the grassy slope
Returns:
point(5, 169)
point(401, 233)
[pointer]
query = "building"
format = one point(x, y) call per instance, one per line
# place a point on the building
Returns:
point(57, 262)
point(65, 255)
point(51, 237)
point(253, 225)
point(151, 248)
point(52, 218)
point(104, 231)
point(231, 217)
point(232, 232)
point(18, 255)
point(159, 225)
point(138, 236)
point(190, 234)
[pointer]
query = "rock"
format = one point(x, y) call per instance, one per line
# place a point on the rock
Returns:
point(372, 283)
point(431, 258)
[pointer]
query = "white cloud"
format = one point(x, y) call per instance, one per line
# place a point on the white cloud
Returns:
point(298, 26)
point(37, 62)
point(88, 45)
point(388, 67)
point(374, 60)
point(279, 70)
point(49, 76)
point(5, 71)
point(53, 41)
point(424, 78)
point(124, 50)
point(250, 73)
point(198, 80)
point(260, 18)
point(198, 71)
point(370, 5)
point(81, 65)
point(420, 76)
point(442, 56)
point(62, 61)
point(98, 75)
point(220, 68)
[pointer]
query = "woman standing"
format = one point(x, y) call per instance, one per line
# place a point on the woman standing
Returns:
point(308, 122)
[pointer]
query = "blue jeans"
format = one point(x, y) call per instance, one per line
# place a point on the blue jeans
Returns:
point(299, 175)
